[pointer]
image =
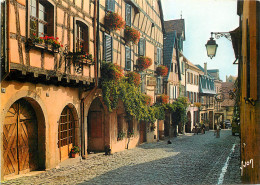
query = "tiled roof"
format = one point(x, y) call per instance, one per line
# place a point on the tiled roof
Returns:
point(175, 25)
point(202, 69)
point(213, 70)
point(225, 88)
point(168, 46)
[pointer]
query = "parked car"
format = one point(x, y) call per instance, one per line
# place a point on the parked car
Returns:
point(227, 124)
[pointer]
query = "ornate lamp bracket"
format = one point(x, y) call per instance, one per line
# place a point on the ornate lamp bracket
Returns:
point(221, 34)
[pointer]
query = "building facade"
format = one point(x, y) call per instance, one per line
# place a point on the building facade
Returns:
point(50, 98)
point(246, 44)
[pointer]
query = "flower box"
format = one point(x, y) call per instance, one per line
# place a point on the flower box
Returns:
point(74, 155)
point(114, 21)
point(111, 71)
point(134, 78)
point(163, 99)
point(162, 70)
point(143, 63)
point(147, 99)
point(132, 35)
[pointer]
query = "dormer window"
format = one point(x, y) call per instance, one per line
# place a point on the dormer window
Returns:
point(41, 18)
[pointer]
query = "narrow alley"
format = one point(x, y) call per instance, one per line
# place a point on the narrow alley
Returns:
point(190, 159)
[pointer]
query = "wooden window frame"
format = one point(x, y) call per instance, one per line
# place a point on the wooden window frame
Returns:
point(81, 40)
point(49, 21)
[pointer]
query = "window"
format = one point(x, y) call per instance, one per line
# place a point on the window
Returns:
point(143, 80)
point(82, 43)
point(110, 6)
point(182, 67)
point(127, 58)
point(41, 18)
point(172, 67)
point(141, 47)
point(171, 91)
point(175, 92)
point(108, 48)
point(159, 85)
point(128, 13)
point(159, 55)
point(176, 70)
point(188, 77)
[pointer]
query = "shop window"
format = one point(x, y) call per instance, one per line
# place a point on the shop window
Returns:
point(41, 18)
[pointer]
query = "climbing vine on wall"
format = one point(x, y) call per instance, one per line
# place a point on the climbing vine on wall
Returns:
point(135, 102)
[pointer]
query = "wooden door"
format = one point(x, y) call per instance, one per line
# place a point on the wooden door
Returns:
point(20, 139)
point(66, 133)
point(96, 139)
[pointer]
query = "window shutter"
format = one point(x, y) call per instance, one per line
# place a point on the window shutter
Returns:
point(111, 5)
point(127, 58)
point(171, 92)
point(158, 59)
point(108, 48)
point(142, 83)
point(128, 9)
point(158, 85)
point(175, 96)
point(141, 47)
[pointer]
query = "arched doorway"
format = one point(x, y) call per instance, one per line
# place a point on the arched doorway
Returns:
point(21, 139)
point(67, 132)
point(96, 128)
point(188, 125)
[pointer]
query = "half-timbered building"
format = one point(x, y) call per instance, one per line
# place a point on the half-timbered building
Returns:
point(50, 98)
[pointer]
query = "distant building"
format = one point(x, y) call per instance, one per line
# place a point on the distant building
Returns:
point(228, 104)
point(231, 78)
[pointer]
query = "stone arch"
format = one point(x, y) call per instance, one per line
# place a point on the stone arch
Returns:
point(25, 104)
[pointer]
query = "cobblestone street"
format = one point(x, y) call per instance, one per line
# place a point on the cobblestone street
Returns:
point(190, 159)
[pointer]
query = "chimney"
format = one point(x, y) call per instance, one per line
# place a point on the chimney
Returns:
point(205, 69)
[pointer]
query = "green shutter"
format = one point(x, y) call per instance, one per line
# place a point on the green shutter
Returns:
point(128, 14)
point(108, 48)
point(127, 58)
point(110, 5)
point(141, 47)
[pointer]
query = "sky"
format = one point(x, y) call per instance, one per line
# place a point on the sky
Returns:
point(201, 18)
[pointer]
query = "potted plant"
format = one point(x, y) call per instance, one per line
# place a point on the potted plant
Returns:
point(74, 152)
point(134, 78)
point(114, 21)
point(162, 70)
point(163, 99)
point(111, 71)
point(132, 35)
point(143, 62)
point(130, 134)
point(120, 135)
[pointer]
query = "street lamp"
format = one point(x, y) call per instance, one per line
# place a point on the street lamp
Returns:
point(212, 46)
